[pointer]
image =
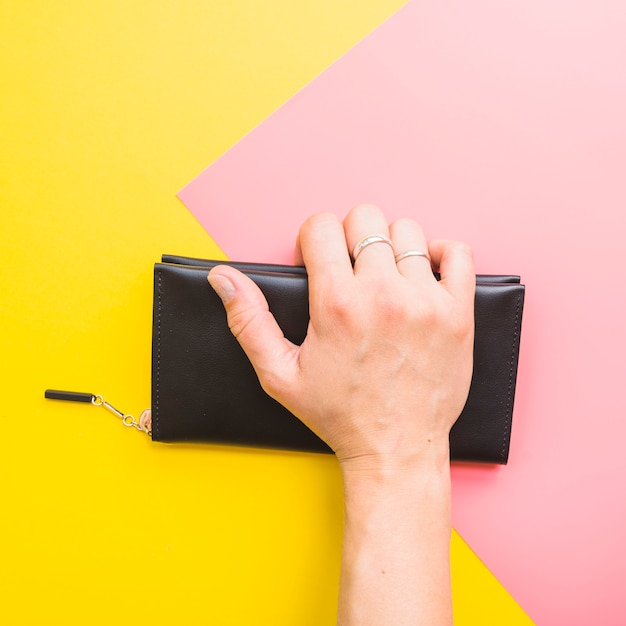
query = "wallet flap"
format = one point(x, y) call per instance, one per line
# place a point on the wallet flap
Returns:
point(296, 269)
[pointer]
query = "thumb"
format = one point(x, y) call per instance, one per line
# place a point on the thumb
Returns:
point(253, 325)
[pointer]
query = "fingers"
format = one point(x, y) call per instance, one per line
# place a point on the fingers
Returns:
point(321, 244)
point(321, 247)
point(377, 258)
point(324, 245)
point(254, 327)
point(408, 237)
point(455, 262)
point(298, 259)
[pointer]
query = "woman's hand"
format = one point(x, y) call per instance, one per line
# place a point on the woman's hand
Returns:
point(386, 365)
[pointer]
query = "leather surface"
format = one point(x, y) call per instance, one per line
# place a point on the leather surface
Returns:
point(205, 390)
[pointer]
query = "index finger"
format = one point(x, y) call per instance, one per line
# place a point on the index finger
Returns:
point(321, 245)
point(455, 262)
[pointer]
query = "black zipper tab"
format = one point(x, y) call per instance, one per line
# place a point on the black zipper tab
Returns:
point(71, 396)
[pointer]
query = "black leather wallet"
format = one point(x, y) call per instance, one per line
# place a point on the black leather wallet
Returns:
point(205, 390)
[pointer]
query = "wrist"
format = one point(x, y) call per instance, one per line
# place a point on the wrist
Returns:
point(380, 467)
point(405, 477)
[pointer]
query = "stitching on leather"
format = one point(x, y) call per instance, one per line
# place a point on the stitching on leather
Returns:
point(509, 397)
point(158, 356)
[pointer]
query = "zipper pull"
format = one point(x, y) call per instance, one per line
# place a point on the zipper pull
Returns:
point(145, 419)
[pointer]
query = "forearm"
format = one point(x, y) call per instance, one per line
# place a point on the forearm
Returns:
point(396, 561)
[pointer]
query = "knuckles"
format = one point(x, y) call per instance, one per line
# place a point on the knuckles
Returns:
point(318, 220)
point(367, 210)
point(464, 249)
point(341, 306)
point(461, 326)
point(386, 306)
point(408, 226)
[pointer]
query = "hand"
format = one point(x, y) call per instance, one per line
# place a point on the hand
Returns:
point(382, 375)
point(385, 368)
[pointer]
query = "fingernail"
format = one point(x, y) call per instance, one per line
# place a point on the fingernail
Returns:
point(223, 287)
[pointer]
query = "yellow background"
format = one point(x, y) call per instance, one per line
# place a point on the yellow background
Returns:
point(107, 109)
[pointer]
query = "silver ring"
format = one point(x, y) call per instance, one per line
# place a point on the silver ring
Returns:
point(368, 241)
point(408, 253)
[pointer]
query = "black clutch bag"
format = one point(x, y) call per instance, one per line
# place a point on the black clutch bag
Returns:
point(204, 389)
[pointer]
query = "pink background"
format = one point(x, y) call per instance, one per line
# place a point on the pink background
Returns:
point(502, 124)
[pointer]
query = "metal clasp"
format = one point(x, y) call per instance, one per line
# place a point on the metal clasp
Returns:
point(127, 419)
point(145, 419)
